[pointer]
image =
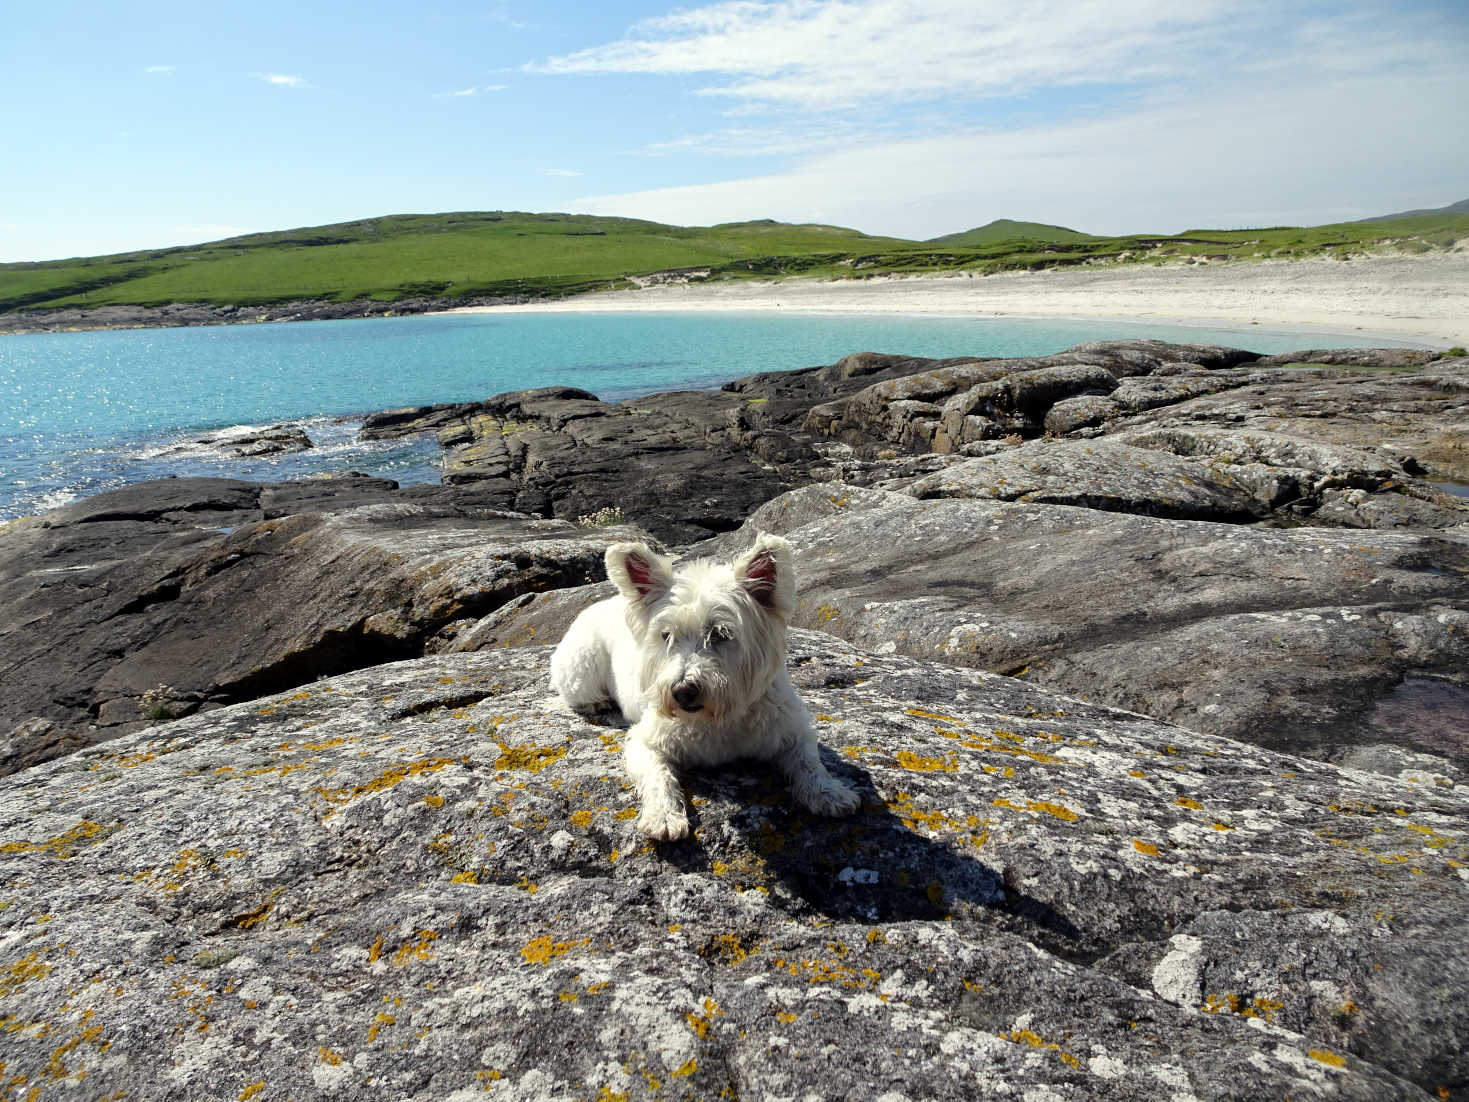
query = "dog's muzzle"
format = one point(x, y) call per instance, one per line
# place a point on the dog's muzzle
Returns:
point(688, 696)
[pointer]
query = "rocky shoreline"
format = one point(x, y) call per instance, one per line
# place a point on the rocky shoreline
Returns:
point(1151, 661)
point(175, 315)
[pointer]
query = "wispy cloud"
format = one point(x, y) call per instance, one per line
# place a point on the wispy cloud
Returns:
point(828, 54)
point(561, 172)
point(1162, 166)
point(463, 93)
point(161, 70)
point(281, 80)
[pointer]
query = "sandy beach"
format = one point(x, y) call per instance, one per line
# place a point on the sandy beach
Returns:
point(1420, 299)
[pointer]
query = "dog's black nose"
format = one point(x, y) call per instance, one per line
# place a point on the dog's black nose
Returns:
point(686, 696)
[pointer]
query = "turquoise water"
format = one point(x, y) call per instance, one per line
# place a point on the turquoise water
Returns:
point(83, 412)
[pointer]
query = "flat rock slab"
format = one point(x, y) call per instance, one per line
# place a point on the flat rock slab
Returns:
point(1287, 638)
point(1099, 474)
point(184, 594)
point(423, 881)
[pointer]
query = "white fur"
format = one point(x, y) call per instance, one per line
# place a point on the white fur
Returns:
point(696, 662)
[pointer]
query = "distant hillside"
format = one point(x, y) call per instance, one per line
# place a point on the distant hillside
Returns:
point(1005, 229)
point(417, 262)
point(456, 256)
point(1461, 207)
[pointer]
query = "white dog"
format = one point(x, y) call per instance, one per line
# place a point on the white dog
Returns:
point(696, 662)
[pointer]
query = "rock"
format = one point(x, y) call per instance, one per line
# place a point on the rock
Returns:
point(1084, 412)
point(212, 591)
point(1286, 638)
point(1097, 474)
point(424, 881)
point(1354, 357)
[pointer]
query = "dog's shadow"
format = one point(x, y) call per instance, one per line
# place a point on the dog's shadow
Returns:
point(878, 865)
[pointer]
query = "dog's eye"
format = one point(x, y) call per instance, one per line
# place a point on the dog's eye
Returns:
point(666, 636)
point(720, 635)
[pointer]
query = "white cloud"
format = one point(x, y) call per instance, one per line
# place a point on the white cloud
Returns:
point(561, 172)
point(282, 80)
point(827, 54)
point(162, 70)
point(465, 92)
point(1237, 158)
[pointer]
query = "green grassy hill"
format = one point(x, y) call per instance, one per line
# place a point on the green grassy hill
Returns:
point(490, 254)
point(1005, 229)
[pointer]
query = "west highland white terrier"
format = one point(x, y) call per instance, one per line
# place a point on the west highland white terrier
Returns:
point(696, 662)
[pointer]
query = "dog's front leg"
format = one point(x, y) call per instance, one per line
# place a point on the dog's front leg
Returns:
point(663, 818)
point(815, 788)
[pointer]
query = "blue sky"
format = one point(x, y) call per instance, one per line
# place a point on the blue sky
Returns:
point(150, 124)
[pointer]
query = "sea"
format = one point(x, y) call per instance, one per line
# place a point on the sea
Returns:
point(85, 412)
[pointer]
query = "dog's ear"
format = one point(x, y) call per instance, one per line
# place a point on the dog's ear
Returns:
point(638, 573)
point(766, 573)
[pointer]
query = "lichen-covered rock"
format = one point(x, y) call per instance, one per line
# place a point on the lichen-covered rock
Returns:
point(1098, 474)
point(164, 598)
point(1292, 638)
point(423, 881)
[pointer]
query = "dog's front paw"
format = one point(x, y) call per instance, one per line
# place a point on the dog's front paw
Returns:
point(663, 824)
point(832, 799)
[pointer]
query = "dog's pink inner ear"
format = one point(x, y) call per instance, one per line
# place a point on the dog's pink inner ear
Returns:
point(759, 579)
point(640, 573)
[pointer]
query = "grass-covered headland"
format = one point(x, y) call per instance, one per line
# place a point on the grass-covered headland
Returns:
point(508, 255)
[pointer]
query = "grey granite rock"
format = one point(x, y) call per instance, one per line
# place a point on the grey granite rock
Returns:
point(182, 594)
point(1289, 638)
point(1098, 474)
point(423, 881)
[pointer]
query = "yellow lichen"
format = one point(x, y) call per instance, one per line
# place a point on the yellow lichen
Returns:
point(1060, 811)
point(918, 764)
point(1324, 1056)
point(1145, 847)
point(543, 950)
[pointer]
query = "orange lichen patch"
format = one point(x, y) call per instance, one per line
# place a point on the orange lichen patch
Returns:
point(902, 806)
point(1325, 1056)
point(29, 967)
point(469, 876)
point(416, 950)
point(254, 918)
point(1136, 773)
point(1230, 1003)
point(684, 1070)
point(830, 972)
point(974, 741)
point(1221, 826)
point(934, 715)
point(329, 1057)
point(828, 613)
point(785, 1017)
point(1184, 801)
point(543, 950)
point(909, 760)
point(1060, 811)
point(1035, 1040)
point(527, 885)
point(726, 949)
point(65, 844)
point(1145, 847)
point(828, 719)
point(251, 1091)
point(702, 1023)
point(856, 752)
point(531, 758)
point(132, 761)
point(434, 800)
point(581, 818)
point(378, 1022)
point(627, 813)
point(388, 778)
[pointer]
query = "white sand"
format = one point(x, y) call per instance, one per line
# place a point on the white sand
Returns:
point(1419, 299)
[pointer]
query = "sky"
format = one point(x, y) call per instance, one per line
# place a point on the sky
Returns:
point(152, 124)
